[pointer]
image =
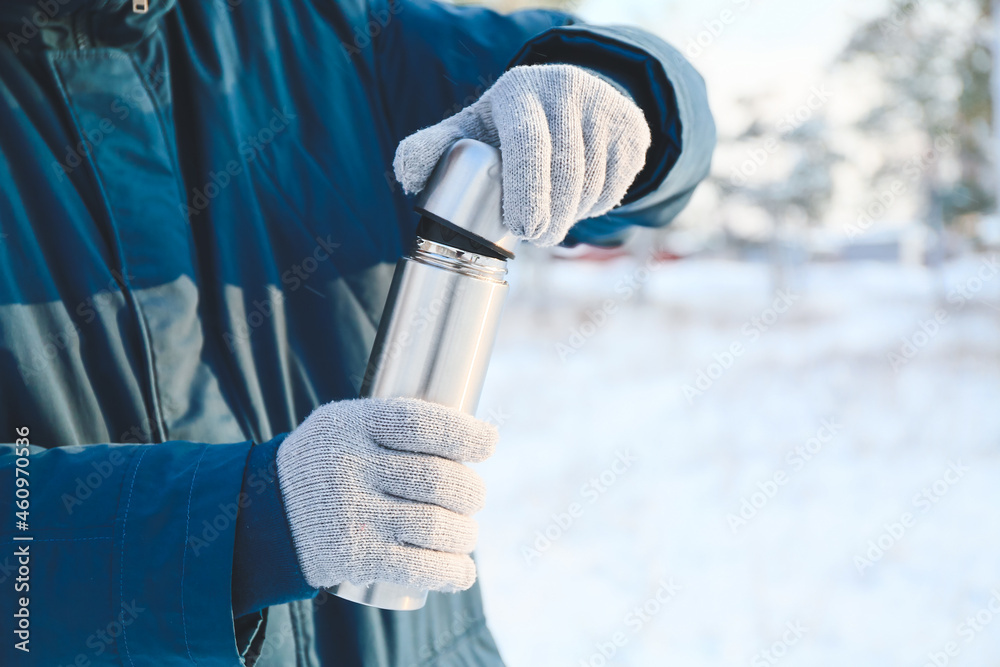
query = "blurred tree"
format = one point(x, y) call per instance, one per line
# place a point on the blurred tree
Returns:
point(934, 59)
point(803, 191)
point(797, 197)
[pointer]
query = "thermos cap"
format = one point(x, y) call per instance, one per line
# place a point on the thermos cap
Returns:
point(465, 193)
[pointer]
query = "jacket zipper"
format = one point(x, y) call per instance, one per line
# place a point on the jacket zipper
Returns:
point(80, 35)
point(79, 27)
point(79, 23)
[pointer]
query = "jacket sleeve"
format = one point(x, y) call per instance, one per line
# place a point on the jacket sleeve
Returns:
point(124, 556)
point(433, 60)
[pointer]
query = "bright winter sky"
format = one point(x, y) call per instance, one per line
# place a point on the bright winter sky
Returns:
point(777, 51)
point(779, 46)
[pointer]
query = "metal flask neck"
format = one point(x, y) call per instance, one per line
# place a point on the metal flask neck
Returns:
point(459, 261)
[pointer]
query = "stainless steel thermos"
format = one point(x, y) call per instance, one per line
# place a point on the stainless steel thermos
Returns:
point(443, 309)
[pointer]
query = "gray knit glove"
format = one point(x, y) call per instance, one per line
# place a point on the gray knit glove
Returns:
point(571, 145)
point(374, 491)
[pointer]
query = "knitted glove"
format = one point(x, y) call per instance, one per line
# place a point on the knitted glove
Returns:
point(374, 491)
point(571, 145)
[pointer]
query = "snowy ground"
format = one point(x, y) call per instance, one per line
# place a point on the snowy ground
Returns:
point(664, 518)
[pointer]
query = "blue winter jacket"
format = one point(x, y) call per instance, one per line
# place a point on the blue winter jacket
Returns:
point(198, 223)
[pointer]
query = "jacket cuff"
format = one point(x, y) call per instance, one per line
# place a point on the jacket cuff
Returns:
point(171, 569)
point(673, 98)
point(266, 569)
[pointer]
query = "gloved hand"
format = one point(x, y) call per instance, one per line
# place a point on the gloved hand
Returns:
point(571, 145)
point(374, 491)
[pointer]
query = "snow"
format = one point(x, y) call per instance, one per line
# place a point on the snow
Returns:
point(662, 520)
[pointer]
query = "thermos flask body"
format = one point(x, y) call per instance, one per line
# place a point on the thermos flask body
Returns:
point(435, 345)
point(443, 309)
point(443, 313)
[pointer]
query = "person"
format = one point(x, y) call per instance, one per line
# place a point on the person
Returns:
point(202, 205)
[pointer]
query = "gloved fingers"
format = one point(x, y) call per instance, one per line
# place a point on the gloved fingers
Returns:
point(418, 154)
point(433, 527)
point(422, 427)
point(621, 156)
point(430, 570)
point(434, 480)
point(572, 146)
point(568, 167)
point(596, 157)
point(526, 145)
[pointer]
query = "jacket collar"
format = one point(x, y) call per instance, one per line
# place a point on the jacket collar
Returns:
point(61, 24)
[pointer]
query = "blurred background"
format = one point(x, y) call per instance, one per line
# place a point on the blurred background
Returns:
point(770, 433)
